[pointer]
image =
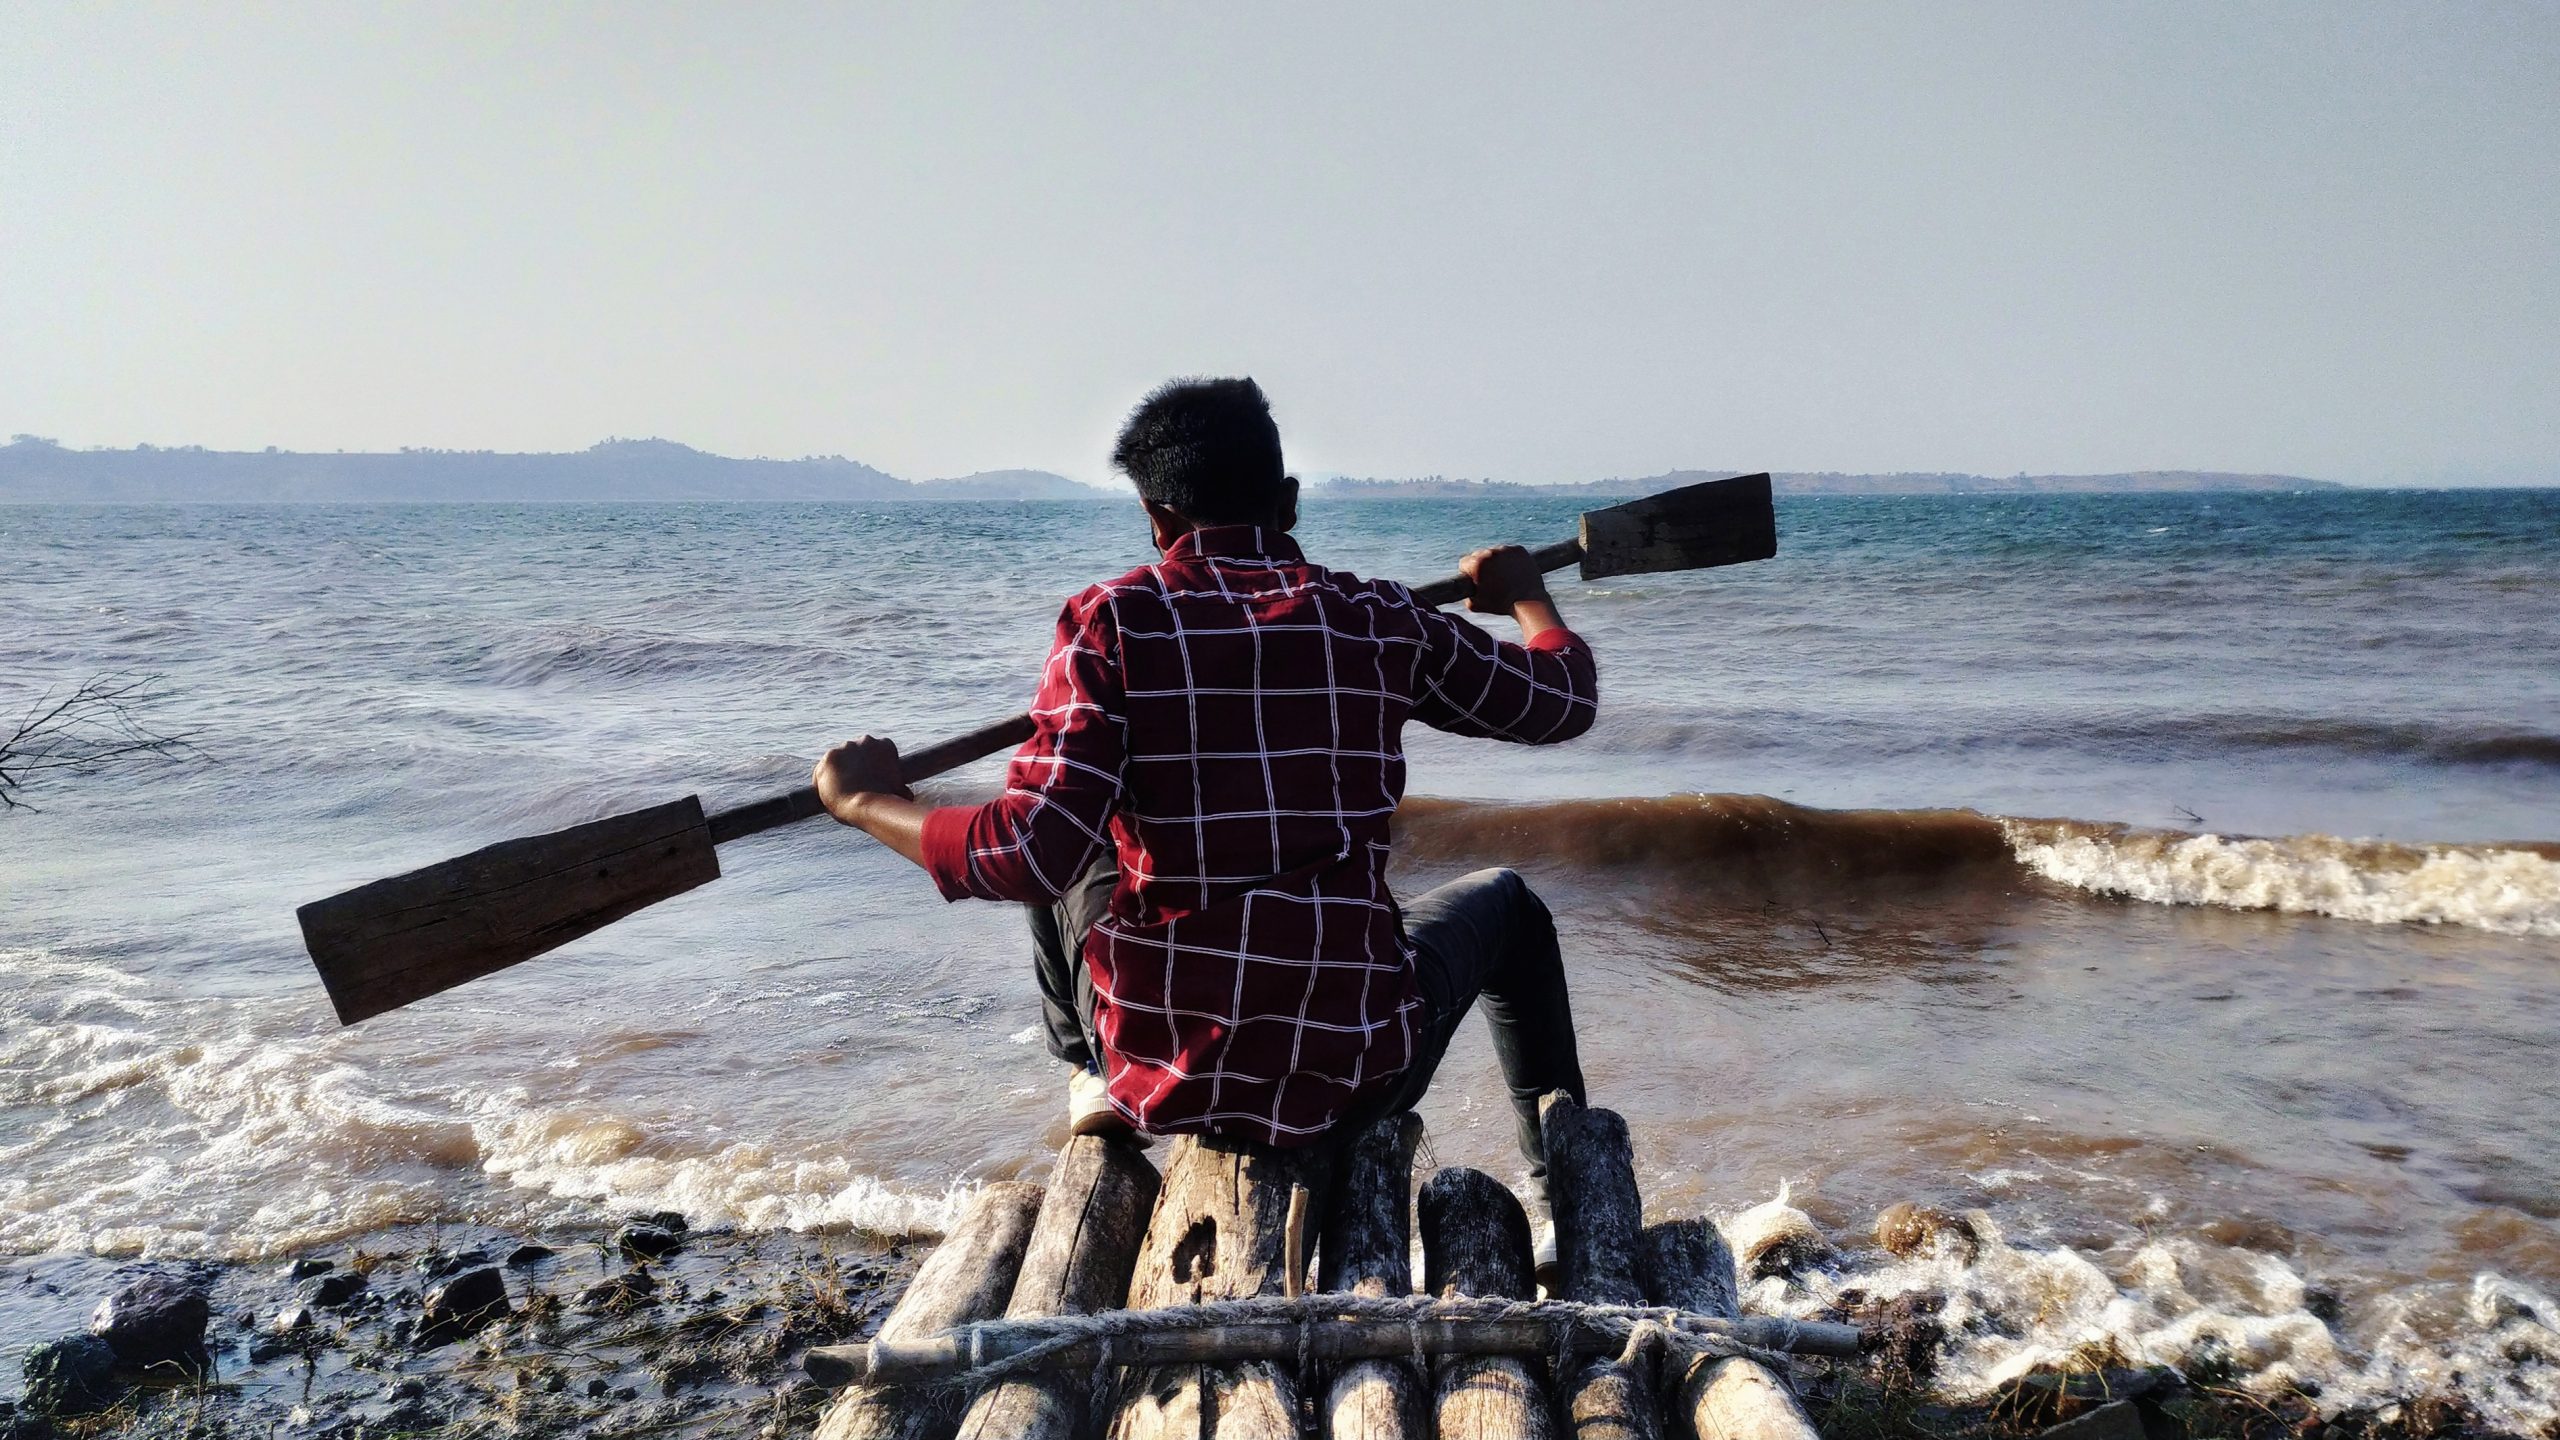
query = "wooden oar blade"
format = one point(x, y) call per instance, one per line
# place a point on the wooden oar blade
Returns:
point(1716, 522)
point(382, 945)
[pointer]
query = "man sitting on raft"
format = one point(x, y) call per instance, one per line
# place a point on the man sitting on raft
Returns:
point(1201, 822)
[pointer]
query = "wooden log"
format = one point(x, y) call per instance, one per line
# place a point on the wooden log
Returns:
point(1280, 1329)
point(1367, 1250)
point(1688, 1265)
point(1475, 1241)
point(969, 1277)
point(1599, 1215)
point(1083, 1247)
point(1218, 1234)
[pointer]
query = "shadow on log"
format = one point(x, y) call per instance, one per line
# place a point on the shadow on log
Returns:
point(1217, 1234)
point(1475, 1241)
point(1083, 1248)
point(1687, 1265)
point(1368, 1251)
point(968, 1277)
point(1591, 1183)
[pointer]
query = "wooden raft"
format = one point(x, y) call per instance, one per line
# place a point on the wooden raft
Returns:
point(1109, 1233)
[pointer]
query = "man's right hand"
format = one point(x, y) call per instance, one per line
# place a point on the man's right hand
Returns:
point(854, 769)
point(1504, 576)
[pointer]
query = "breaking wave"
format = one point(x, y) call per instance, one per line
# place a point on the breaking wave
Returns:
point(155, 1127)
point(2008, 1307)
point(2513, 890)
point(1744, 845)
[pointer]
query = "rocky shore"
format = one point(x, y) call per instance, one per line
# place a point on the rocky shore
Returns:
point(642, 1327)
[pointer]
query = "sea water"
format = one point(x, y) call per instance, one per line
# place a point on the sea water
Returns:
point(2169, 878)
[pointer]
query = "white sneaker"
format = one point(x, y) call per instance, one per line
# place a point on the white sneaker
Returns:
point(1089, 1109)
point(1547, 1265)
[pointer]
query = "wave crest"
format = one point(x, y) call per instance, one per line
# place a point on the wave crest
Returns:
point(2509, 890)
point(1752, 845)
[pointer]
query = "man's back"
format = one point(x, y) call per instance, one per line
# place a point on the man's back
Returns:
point(1226, 724)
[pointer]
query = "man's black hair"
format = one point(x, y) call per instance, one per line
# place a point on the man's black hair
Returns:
point(1207, 448)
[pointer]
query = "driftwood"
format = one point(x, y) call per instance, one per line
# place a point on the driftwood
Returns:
point(1688, 1266)
point(967, 1278)
point(1317, 1327)
point(1217, 1234)
point(1475, 1241)
point(1368, 1251)
point(1082, 1248)
point(1591, 1183)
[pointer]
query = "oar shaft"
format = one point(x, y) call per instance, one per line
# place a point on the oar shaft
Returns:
point(924, 764)
point(1459, 587)
point(802, 804)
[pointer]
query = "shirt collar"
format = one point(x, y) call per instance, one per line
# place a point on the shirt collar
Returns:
point(1237, 542)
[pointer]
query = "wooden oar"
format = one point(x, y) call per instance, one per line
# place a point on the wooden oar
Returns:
point(382, 945)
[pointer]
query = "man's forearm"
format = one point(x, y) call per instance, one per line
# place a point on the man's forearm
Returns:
point(893, 820)
point(1536, 617)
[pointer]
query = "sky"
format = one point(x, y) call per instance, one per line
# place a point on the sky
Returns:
point(1532, 243)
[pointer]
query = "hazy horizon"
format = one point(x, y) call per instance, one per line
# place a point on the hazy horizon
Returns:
point(1535, 245)
point(654, 452)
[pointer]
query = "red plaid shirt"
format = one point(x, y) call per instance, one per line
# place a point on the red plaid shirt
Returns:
point(1230, 720)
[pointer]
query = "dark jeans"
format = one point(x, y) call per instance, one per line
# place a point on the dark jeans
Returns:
point(1483, 935)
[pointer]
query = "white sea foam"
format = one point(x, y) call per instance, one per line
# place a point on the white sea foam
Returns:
point(598, 1157)
point(2011, 1309)
point(2510, 891)
point(175, 1130)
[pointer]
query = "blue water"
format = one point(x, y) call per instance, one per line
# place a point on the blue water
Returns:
point(2357, 663)
point(2347, 1039)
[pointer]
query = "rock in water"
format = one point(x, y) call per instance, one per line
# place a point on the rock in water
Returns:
point(1774, 1238)
point(436, 1264)
point(154, 1319)
point(619, 1293)
point(528, 1254)
point(2118, 1421)
point(1907, 1230)
point(668, 1220)
point(647, 1242)
point(70, 1376)
point(463, 1304)
point(308, 1266)
point(335, 1291)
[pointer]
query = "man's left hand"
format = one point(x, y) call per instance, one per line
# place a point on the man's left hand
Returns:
point(868, 766)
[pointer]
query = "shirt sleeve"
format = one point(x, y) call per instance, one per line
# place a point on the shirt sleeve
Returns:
point(1032, 842)
point(1538, 693)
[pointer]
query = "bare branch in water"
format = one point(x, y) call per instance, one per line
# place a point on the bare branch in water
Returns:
point(96, 725)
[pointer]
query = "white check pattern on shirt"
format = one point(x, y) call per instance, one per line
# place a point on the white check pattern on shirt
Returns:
point(1229, 720)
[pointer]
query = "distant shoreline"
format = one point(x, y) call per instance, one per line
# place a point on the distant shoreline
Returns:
point(37, 471)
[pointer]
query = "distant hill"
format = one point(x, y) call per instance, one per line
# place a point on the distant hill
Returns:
point(1797, 482)
point(38, 470)
point(1012, 485)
